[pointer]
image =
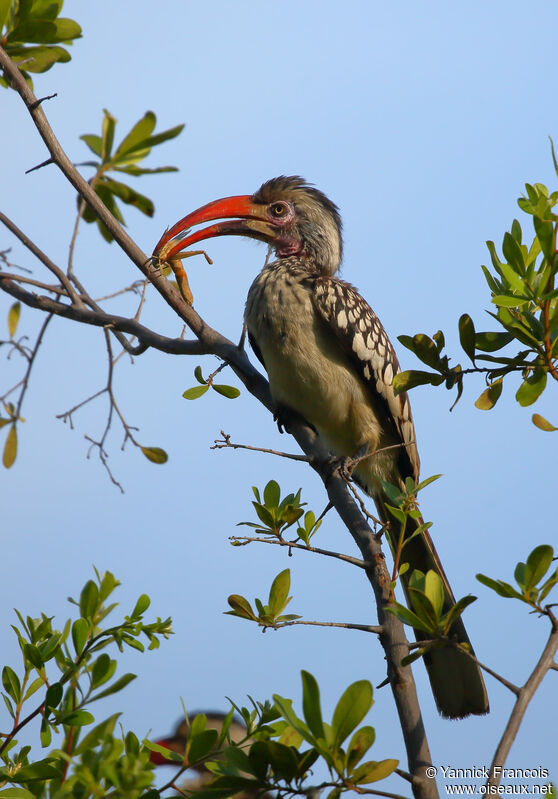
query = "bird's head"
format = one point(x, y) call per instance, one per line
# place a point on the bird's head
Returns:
point(288, 214)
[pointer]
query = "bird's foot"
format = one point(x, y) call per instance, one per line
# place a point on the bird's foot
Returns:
point(285, 416)
point(345, 465)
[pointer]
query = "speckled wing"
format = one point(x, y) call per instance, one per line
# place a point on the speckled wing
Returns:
point(361, 333)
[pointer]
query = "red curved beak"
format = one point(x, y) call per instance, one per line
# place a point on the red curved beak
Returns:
point(249, 219)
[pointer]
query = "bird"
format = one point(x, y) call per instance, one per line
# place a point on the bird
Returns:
point(177, 743)
point(179, 737)
point(329, 359)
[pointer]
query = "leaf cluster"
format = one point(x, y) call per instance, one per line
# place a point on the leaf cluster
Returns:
point(124, 159)
point(427, 595)
point(532, 587)
point(64, 671)
point(270, 614)
point(277, 515)
point(272, 758)
point(230, 392)
point(524, 297)
point(32, 32)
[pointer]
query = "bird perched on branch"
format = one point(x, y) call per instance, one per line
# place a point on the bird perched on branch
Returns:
point(329, 359)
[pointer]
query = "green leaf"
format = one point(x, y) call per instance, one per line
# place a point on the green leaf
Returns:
point(141, 606)
point(39, 59)
point(130, 196)
point(195, 392)
point(33, 687)
point(11, 683)
point(359, 745)
point(159, 138)
point(264, 515)
point(241, 607)
point(545, 234)
point(168, 754)
point(108, 127)
point(424, 608)
point(311, 705)
point(538, 563)
point(491, 341)
point(509, 301)
point(285, 707)
point(352, 707)
point(513, 254)
point(117, 685)
point(202, 744)
point(89, 600)
point(141, 130)
point(40, 770)
point(467, 335)
point(374, 771)
point(542, 423)
point(9, 705)
point(5, 8)
point(54, 695)
point(279, 591)
point(95, 143)
point(425, 349)
point(41, 31)
point(408, 617)
point(500, 587)
point(10, 447)
point(231, 392)
point(16, 793)
point(155, 454)
point(80, 633)
point(13, 318)
point(457, 609)
point(32, 654)
point(78, 718)
point(404, 381)
point(199, 376)
point(102, 670)
point(137, 171)
point(434, 590)
point(531, 388)
point(489, 396)
point(272, 494)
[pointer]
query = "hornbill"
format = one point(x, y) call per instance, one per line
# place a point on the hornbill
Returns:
point(328, 358)
point(177, 741)
point(179, 738)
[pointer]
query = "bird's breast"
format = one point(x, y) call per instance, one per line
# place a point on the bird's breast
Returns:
point(308, 369)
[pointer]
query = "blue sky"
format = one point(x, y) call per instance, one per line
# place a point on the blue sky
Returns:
point(422, 122)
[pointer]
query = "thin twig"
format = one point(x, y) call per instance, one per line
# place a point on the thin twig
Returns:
point(44, 259)
point(375, 521)
point(424, 641)
point(226, 443)
point(174, 346)
point(243, 540)
point(367, 628)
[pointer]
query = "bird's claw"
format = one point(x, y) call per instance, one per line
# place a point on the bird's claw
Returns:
point(284, 416)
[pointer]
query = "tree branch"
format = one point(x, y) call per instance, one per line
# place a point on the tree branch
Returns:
point(526, 693)
point(243, 540)
point(366, 628)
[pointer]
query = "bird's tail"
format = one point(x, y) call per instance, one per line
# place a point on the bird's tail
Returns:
point(456, 680)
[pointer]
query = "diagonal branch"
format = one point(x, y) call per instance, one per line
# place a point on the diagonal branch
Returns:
point(526, 693)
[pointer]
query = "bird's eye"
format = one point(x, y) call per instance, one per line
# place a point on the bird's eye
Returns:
point(278, 209)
